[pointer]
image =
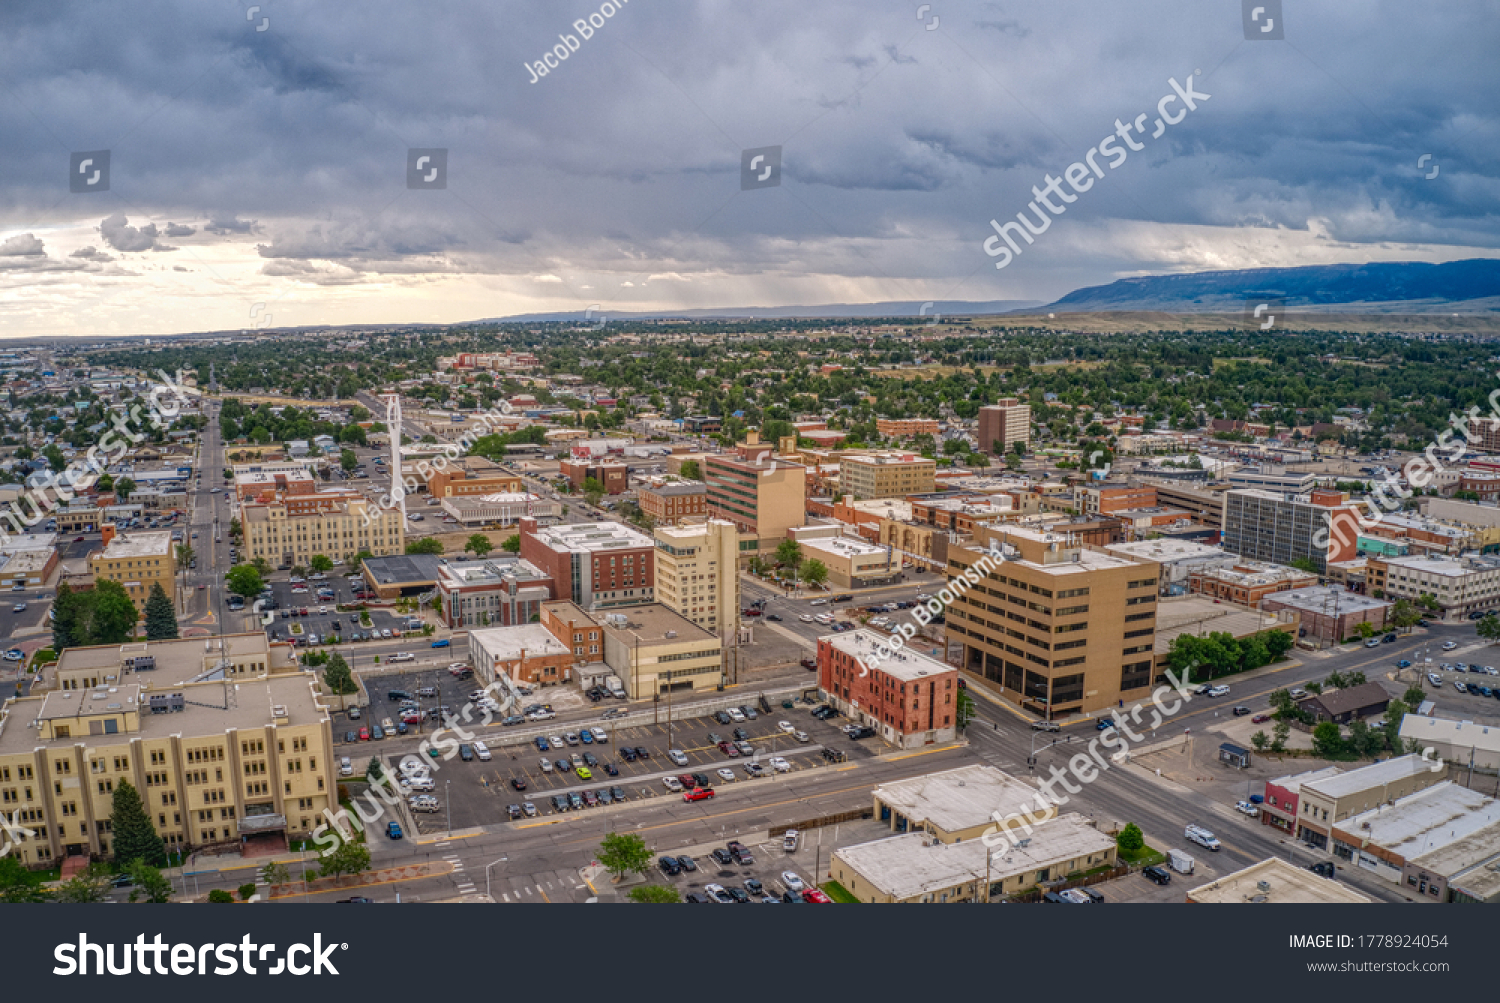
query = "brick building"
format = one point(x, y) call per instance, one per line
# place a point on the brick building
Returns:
point(670, 500)
point(614, 477)
point(909, 698)
point(598, 565)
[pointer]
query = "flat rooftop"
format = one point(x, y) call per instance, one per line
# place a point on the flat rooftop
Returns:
point(253, 703)
point(960, 798)
point(1479, 737)
point(1326, 599)
point(1293, 782)
point(491, 571)
point(843, 546)
point(652, 623)
point(589, 537)
point(907, 664)
point(403, 569)
point(1367, 777)
point(508, 643)
point(1165, 550)
point(178, 660)
point(25, 542)
point(1425, 820)
point(1277, 881)
point(135, 544)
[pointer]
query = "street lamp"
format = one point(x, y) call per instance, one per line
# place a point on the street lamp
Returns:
point(448, 802)
point(488, 893)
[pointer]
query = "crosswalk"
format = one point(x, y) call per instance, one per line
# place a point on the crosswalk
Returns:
point(456, 867)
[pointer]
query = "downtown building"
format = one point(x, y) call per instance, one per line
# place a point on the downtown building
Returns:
point(1274, 528)
point(908, 697)
point(137, 561)
point(763, 497)
point(867, 476)
point(697, 572)
point(495, 591)
point(596, 565)
point(1007, 423)
point(1058, 627)
point(289, 529)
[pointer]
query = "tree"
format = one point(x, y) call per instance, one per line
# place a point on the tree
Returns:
point(1414, 696)
point(1394, 712)
point(111, 613)
point(65, 632)
point(1278, 643)
point(150, 883)
point(55, 458)
point(1304, 564)
point(1327, 741)
point(789, 553)
point(426, 545)
point(275, 873)
point(654, 893)
point(512, 544)
point(815, 572)
point(17, 884)
point(246, 890)
point(338, 678)
point(1488, 628)
point(358, 560)
point(374, 770)
point(1280, 732)
point(135, 838)
point(321, 563)
point(478, 545)
point(185, 555)
point(1260, 741)
point(347, 858)
point(689, 471)
point(220, 895)
point(1364, 740)
point(1365, 629)
point(1131, 840)
point(347, 460)
point(1404, 615)
point(593, 491)
point(623, 853)
point(161, 618)
point(123, 487)
point(244, 580)
point(963, 709)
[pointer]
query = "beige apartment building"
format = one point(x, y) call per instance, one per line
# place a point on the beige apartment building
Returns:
point(697, 572)
point(338, 525)
point(136, 561)
point(886, 475)
point(215, 765)
point(653, 649)
point(1062, 628)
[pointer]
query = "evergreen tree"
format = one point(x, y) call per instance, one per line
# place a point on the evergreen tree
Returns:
point(161, 618)
point(135, 838)
point(65, 620)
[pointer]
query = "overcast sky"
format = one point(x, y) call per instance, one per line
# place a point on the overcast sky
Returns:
point(271, 166)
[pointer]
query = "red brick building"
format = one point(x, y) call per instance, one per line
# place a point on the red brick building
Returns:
point(909, 698)
point(597, 565)
point(613, 476)
point(1283, 796)
point(673, 501)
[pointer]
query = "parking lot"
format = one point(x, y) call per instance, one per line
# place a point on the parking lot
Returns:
point(480, 792)
point(321, 623)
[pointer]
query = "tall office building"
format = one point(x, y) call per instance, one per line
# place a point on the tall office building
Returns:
point(763, 497)
point(697, 572)
point(1269, 526)
point(1007, 422)
point(1063, 628)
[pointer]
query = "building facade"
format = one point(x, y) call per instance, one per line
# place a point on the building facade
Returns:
point(697, 572)
point(763, 497)
point(906, 428)
point(671, 501)
point(886, 475)
point(1007, 423)
point(1268, 526)
point(289, 530)
point(599, 565)
point(137, 561)
point(909, 698)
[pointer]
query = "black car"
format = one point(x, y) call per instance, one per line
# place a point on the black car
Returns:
point(693, 897)
point(702, 780)
point(513, 719)
point(612, 769)
point(466, 753)
point(687, 864)
point(518, 783)
point(564, 765)
point(559, 803)
point(627, 753)
point(618, 793)
point(640, 750)
point(669, 866)
point(754, 887)
point(1094, 896)
point(723, 717)
point(575, 800)
point(514, 811)
point(1158, 875)
point(738, 894)
point(1323, 868)
point(590, 760)
point(721, 856)
point(740, 853)
point(741, 734)
point(791, 897)
point(604, 796)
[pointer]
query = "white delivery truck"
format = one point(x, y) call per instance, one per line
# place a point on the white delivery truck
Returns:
point(615, 687)
point(1201, 836)
point(1180, 862)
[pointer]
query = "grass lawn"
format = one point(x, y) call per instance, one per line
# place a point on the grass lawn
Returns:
point(838, 893)
point(1146, 856)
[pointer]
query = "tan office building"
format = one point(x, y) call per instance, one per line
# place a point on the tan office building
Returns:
point(906, 428)
point(652, 648)
point(886, 475)
point(136, 561)
point(697, 572)
point(1006, 422)
point(763, 497)
point(215, 766)
point(334, 527)
point(1063, 628)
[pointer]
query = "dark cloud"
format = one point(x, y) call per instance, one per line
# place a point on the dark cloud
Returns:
point(230, 224)
point(178, 230)
point(119, 234)
point(92, 254)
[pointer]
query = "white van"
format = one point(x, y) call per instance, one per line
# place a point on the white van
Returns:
point(1201, 836)
point(346, 767)
point(482, 751)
